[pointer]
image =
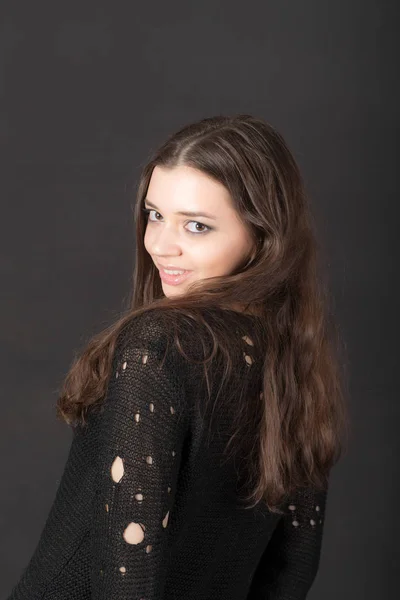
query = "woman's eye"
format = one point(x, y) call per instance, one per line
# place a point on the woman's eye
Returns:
point(201, 225)
point(148, 211)
point(197, 223)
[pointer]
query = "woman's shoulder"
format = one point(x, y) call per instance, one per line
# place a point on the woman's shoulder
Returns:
point(158, 330)
point(196, 332)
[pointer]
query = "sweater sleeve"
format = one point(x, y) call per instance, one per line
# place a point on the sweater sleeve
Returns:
point(143, 430)
point(290, 562)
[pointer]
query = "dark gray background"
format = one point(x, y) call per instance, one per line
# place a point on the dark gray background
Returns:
point(87, 92)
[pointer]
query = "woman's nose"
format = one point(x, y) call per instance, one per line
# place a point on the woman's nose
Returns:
point(165, 241)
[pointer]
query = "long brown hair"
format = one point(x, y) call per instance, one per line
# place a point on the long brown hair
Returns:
point(300, 426)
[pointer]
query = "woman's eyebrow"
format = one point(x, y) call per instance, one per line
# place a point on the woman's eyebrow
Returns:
point(187, 213)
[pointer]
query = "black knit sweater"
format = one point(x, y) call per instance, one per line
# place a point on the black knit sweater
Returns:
point(147, 510)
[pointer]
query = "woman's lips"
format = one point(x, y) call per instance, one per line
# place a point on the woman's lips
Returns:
point(173, 279)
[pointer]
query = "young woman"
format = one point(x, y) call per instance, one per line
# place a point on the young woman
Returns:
point(207, 419)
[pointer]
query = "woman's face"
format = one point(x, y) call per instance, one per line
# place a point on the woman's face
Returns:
point(210, 242)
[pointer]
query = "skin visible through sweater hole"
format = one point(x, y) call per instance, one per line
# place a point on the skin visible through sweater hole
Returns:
point(248, 340)
point(117, 469)
point(165, 520)
point(123, 570)
point(248, 359)
point(149, 460)
point(134, 533)
point(144, 358)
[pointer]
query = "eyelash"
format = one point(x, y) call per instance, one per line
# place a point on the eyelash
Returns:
point(148, 210)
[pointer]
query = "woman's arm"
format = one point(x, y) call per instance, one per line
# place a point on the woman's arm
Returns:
point(143, 428)
point(290, 562)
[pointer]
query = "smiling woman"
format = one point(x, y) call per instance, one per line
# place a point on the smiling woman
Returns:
point(220, 248)
point(207, 418)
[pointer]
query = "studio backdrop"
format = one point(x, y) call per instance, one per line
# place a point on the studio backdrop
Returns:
point(88, 90)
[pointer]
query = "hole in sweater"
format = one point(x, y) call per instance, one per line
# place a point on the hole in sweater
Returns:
point(149, 460)
point(123, 570)
point(165, 520)
point(144, 358)
point(134, 533)
point(117, 469)
point(248, 340)
point(248, 359)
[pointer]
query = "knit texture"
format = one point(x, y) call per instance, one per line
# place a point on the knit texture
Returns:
point(147, 510)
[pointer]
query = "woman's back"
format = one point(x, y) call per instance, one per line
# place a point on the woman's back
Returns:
point(149, 508)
